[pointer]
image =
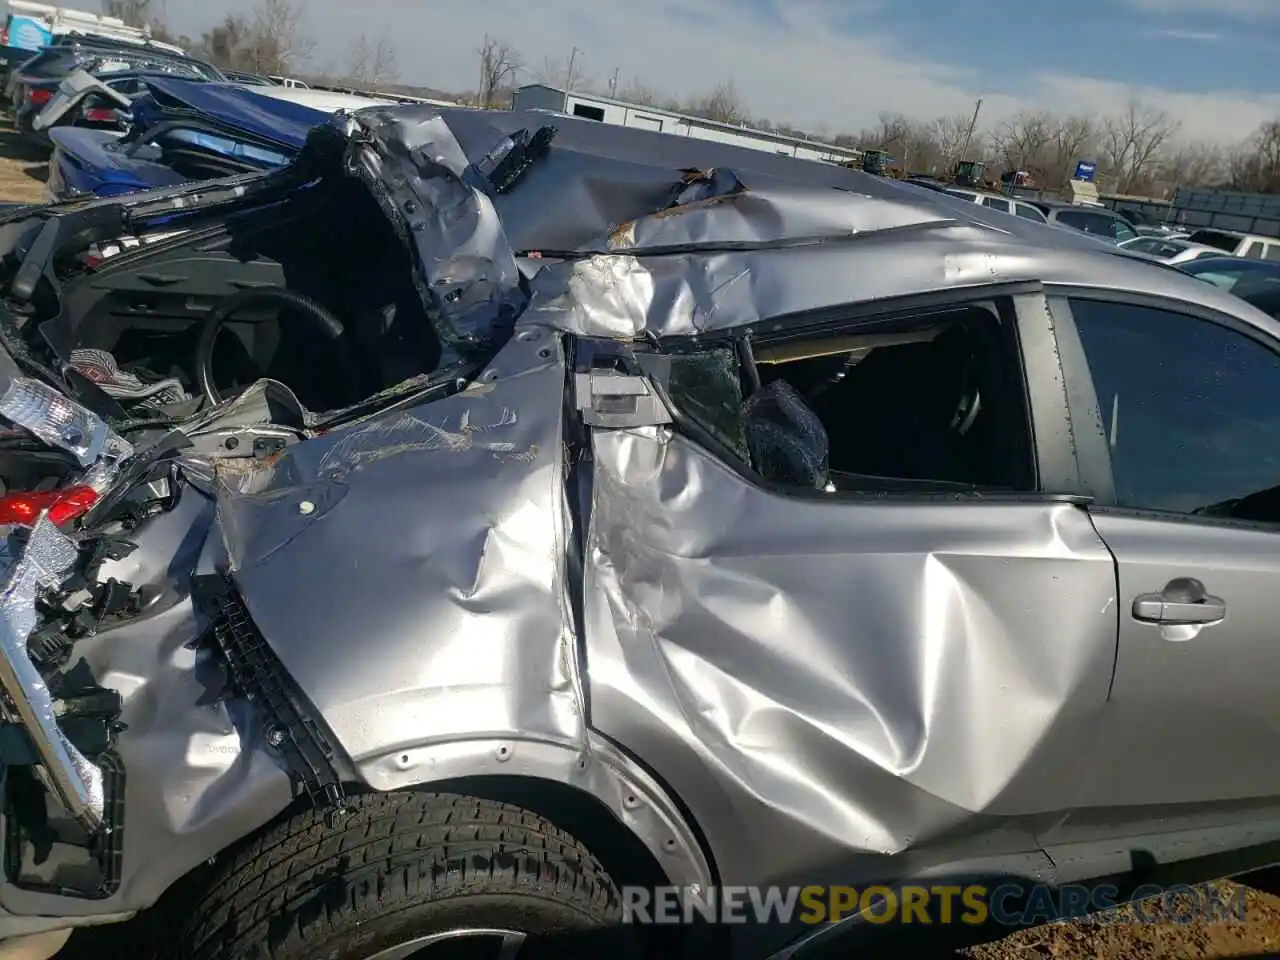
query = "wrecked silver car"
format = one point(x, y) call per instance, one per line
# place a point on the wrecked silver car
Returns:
point(417, 550)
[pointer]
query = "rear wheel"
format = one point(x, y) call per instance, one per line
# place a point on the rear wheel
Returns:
point(409, 875)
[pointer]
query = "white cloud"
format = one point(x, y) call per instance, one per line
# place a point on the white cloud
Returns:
point(1229, 8)
point(1224, 116)
point(1188, 36)
point(797, 66)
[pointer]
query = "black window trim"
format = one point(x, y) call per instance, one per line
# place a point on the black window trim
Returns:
point(1056, 473)
point(1093, 453)
point(1023, 205)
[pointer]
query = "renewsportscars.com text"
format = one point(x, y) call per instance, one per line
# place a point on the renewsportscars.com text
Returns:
point(940, 904)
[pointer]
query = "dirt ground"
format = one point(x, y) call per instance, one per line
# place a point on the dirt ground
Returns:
point(22, 175)
point(1108, 937)
point(22, 171)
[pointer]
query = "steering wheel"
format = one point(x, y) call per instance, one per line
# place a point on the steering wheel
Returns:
point(324, 323)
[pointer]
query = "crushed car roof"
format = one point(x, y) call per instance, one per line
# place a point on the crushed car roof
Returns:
point(616, 232)
point(643, 233)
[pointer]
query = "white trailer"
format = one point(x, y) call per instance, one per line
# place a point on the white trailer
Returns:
point(32, 26)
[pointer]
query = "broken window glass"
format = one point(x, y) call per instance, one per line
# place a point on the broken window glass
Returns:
point(707, 389)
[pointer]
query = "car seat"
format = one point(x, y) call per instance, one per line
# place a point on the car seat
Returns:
point(785, 439)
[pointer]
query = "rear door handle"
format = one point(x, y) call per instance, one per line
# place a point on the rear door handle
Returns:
point(1183, 601)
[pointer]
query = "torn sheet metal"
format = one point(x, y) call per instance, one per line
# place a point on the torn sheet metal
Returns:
point(199, 771)
point(469, 281)
point(773, 235)
point(628, 295)
point(423, 553)
point(47, 557)
point(851, 674)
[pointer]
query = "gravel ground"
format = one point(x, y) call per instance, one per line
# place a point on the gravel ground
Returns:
point(22, 175)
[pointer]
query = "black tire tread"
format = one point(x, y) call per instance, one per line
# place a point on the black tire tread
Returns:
point(305, 881)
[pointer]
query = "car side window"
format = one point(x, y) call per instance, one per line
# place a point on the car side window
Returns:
point(1273, 252)
point(933, 400)
point(1255, 250)
point(1077, 219)
point(1121, 231)
point(1028, 212)
point(1194, 428)
point(996, 203)
point(1092, 223)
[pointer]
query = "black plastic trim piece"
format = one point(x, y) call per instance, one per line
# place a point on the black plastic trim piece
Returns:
point(257, 674)
point(106, 845)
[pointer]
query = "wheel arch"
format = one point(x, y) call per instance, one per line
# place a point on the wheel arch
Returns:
point(593, 791)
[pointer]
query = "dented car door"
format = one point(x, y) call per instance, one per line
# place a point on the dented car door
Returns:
point(881, 672)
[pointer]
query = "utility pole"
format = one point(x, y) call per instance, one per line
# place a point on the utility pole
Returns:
point(568, 80)
point(968, 137)
point(613, 84)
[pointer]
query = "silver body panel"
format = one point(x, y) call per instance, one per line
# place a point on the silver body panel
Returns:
point(762, 688)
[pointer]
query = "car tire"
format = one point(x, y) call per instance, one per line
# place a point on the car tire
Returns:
point(397, 869)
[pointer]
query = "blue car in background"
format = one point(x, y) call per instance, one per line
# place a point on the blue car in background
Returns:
point(183, 130)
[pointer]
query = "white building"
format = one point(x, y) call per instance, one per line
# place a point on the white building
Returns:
point(537, 96)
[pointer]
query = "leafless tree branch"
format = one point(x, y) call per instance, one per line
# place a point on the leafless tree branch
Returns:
point(499, 65)
point(372, 63)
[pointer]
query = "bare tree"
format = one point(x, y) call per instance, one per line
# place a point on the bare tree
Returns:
point(136, 13)
point(914, 147)
point(563, 72)
point(1194, 163)
point(1131, 144)
point(278, 41)
point(1022, 142)
point(723, 104)
point(641, 93)
point(227, 43)
point(949, 134)
point(891, 134)
point(1255, 165)
point(1072, 138)
point(499, 65)
point(143, 13)
point(372, 63)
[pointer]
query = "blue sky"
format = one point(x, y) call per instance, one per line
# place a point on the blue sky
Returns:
point(836, 64)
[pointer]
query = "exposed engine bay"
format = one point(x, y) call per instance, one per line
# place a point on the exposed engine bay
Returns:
point(314, 293)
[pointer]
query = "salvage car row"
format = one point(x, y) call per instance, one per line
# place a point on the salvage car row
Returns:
point(120, 117)
point(425, 526)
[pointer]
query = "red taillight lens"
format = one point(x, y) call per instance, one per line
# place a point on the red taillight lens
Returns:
point(65, 505)
point(39, 95)
point(4, 36)
point(99, 115)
